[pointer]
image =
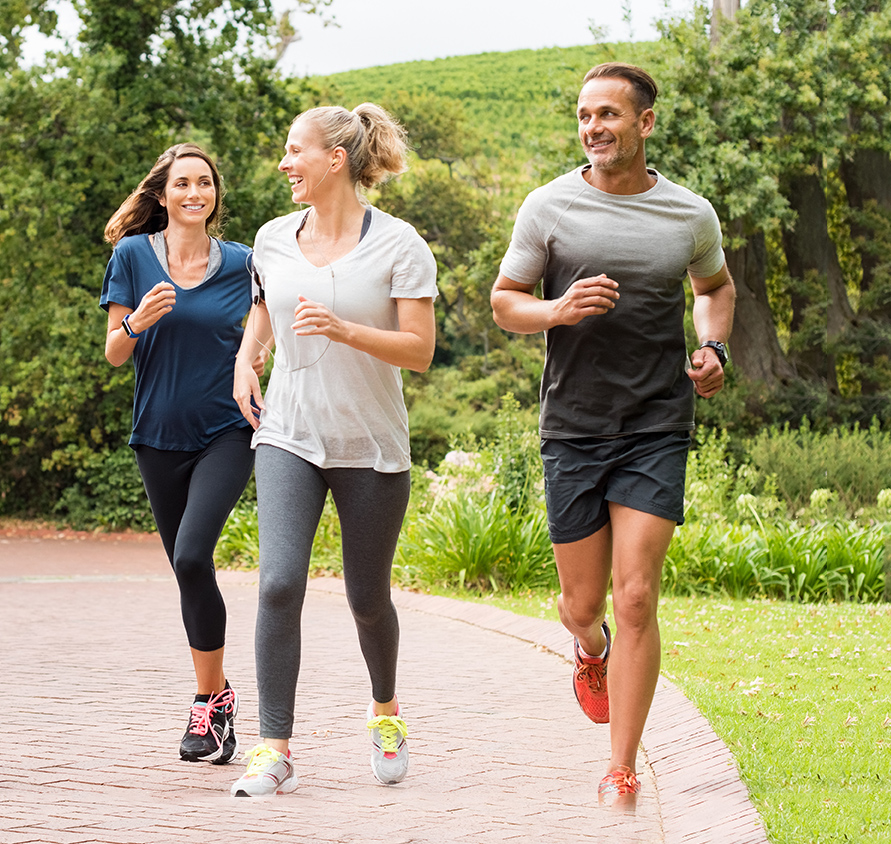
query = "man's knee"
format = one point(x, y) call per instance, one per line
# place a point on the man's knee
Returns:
point(635, 605)
point(582, 610)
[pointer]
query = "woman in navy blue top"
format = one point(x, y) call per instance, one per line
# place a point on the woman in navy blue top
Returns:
point(176, 298)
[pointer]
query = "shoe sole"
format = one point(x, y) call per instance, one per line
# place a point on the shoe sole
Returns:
point(286, 787)
point(210, 757)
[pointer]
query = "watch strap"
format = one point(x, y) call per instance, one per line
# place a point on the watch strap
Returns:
point(125, 324)
point(719, 348)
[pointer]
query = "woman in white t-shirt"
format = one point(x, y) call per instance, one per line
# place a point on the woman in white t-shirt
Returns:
point(346, 293)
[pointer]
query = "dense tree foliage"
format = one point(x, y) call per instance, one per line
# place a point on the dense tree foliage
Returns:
point(76, 136)
point(780, 119)
point(783, 124)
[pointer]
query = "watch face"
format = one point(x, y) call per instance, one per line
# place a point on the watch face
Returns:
point(720, 350)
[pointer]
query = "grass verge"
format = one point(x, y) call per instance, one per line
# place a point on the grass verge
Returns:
point(800, 693)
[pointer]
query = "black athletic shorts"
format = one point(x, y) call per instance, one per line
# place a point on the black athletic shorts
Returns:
point(643, 471)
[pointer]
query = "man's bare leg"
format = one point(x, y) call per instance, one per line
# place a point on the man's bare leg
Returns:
point(584, 569)
point(640, 543)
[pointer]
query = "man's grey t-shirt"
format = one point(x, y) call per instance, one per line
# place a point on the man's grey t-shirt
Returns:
point(622, 372)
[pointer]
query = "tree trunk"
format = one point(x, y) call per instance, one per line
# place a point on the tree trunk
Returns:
point(821, 312)
point(754, 346)
point(722, 9)
point(867, 177)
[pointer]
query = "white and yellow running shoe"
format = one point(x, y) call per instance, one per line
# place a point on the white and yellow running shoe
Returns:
point(389, 749)
point(268, 772)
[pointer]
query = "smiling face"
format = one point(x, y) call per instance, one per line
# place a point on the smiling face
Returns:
point(305, 162)
point(190, 195)
point(611, 130)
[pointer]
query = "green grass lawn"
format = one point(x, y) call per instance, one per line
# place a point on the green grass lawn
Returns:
point(801, 694)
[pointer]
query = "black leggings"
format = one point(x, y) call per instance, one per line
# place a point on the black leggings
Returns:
point(371, 505)
point(192, 494)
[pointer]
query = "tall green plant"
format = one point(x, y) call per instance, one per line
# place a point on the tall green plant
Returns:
point(785, 560)
point(478, 545)
point(854, 463)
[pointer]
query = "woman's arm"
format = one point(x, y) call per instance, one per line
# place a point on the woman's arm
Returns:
point(411, 346)
point(246, 386)
point(118, 344)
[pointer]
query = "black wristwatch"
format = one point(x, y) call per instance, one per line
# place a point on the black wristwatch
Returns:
point(125, 324)
point(720, 350)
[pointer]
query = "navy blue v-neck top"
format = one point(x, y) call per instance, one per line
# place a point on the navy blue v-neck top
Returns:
point(185, 361)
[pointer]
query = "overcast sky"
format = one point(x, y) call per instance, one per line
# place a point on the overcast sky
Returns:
point(380, 32)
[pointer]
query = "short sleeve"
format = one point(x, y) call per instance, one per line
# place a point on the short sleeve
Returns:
point(708, 257)
point(117, 285)
point(524, 261)
point(414, 268)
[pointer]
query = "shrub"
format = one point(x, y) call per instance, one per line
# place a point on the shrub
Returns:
point(854, 464)
point(484, 525)
point(787, 560)
point(107, 494)
point(467, 544)
point(478, 522)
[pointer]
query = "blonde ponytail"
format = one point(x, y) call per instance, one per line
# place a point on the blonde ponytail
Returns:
point(374, 142)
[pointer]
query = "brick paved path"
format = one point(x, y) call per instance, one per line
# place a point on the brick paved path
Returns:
point(95, 683)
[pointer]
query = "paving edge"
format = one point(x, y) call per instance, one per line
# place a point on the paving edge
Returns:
point(692, 766)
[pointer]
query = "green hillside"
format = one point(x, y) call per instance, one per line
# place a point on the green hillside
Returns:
point(513, 100)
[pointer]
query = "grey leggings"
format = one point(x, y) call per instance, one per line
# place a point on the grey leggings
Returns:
point(290, 496)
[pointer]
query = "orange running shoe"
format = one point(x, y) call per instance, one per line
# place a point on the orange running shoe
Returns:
point(589, 682)
point(618, 783)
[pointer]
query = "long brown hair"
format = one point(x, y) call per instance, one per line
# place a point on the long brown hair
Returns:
point(142, 212)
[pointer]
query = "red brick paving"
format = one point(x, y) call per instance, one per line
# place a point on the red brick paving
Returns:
point(96, 683)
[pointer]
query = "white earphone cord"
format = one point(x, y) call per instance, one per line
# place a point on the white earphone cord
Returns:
point(275, 363)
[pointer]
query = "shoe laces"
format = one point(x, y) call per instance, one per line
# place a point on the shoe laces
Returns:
point(201, 714)
point(260, 758)
point(620, 781)
point(390, 728)
point(592, 674)
point(224, 700)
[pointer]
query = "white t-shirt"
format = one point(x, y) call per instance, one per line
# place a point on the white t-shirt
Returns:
point(326, 402)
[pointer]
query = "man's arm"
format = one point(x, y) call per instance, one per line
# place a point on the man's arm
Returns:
point(713, 300)
point(516, 308)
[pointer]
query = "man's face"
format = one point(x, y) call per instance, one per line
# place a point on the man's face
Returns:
point(610, 129)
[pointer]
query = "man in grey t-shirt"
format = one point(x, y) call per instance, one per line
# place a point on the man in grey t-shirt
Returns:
point(612, 244)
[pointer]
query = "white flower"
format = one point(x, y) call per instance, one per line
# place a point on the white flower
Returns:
point(461, 458)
